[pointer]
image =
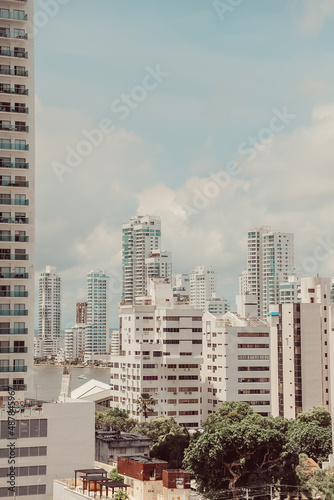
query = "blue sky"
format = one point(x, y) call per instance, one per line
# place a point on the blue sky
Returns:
point(226, 76)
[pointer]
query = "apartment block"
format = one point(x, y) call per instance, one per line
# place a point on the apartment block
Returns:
point(270, 260)
point(236, 362)
point(97, 345)
point(81, 313)
point(17, 181)
point(202, 286)
point(161, 345)
point(75, 339)
point(49, 312)
point(140, 238)
point(159, 265)
point(300, 350)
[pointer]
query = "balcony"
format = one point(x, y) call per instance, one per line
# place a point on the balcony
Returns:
point(6, 182)
point(13, 331)
point(16, 237)
point(13, 72)
point(13, 53)
point(14, 275)
point(8, 369)
point(14, 312)
point(4, 33)
point(14, 128)
point(14, 387)
point(13, 256)
point(17, 147)
point(13, 165)
point(14, 220)
point(11, 350)
point(17, 15)
point(13, 201)
point(13, 90)
point(9, 293)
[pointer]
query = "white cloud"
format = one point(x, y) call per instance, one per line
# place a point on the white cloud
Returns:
point(313, 15)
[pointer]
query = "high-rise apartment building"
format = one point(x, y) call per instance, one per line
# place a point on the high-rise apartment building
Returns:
point(236, 362)
point(17, 216)
point(161, 345)
point(49, 312)
point(159, 265)
point(300, 355)
point(270, 260)
point(202, 286)
point(75, 342)
point(140, 238)
point(97, 327)
point(81, 313)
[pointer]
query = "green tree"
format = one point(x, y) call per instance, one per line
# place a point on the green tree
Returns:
point(145, 404)
point(114, 419)
point(114, 476)
point(121, 495)
point(169, 439)
point(315, 482)
point(311, 433)
point(245, 448)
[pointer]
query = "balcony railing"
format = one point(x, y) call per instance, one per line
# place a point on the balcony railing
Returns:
point(14, 128)
point(17, 15)
point(6, 182)
point(13, 256)
point(13, 331)
point(13, 72)
point(13, 165)
point(14, 220)
point(18, 147)
point(14, 237)
point(13, 53)
point(14, 387)
point(14, 312)
point(13, 201)
point(14, 275)
point(13, 34)
point(13, 90)
point(10, 350)
point(13, 369)
point(10, 293)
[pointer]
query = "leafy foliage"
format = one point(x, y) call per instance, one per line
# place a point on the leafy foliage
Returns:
point(244, 447)
point(311, 433)
point(114, 419)
point(114, 476)
point(145, 404)
point(315, 482)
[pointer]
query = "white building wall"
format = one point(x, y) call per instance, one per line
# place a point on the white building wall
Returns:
point(202, 286)
point(97, 328)
point(161, 355)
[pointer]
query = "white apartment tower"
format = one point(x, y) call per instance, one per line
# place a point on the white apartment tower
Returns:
point(97, 328)
point(49, 311)
point(270, 259)
point(202, 286)
point(236, 362)
point(300, 350)
point(161, 345)
point(140, 238)
point(159, 265)
point(17, 184)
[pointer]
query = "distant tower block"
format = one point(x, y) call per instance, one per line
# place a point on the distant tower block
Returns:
point(81, 313)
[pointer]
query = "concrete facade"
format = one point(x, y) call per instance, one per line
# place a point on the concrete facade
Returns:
point(161, 345)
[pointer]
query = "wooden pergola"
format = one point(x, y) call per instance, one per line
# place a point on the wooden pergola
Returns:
point(112, 485)
point(94, 479)
point(89, 472)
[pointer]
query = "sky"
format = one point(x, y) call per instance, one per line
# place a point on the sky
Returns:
point(214, 115)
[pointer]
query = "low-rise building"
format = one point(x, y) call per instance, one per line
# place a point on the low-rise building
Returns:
point(109, 445)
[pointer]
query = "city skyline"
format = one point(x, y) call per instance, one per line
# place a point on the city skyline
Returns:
point(199, 94)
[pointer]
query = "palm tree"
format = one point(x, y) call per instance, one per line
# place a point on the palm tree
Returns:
point(145, 404)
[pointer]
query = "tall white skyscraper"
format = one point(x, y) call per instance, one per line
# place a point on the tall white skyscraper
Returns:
point(270, 260)
point(49, 311)
point(202, 286)
point(17, 216)
point(140, 237)
point(97, 328)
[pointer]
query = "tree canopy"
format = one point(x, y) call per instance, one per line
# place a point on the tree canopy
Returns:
point(114, 419)
point(245, 448)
